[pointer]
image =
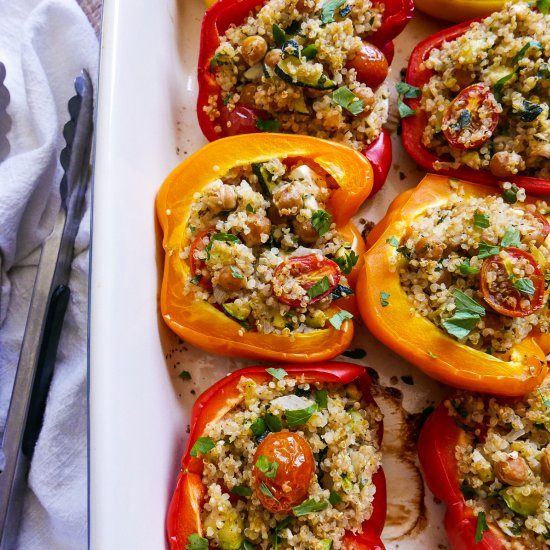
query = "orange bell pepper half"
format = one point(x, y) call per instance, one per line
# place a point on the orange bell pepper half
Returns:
point(199, 322)
point(415, 337)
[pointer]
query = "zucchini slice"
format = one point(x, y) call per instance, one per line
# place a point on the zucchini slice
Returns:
point(291, 70)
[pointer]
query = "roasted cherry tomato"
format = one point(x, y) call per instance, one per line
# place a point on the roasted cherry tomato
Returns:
point(370, 64)
point(510, 296)
point(306, 271)
point(289, 461)
point(241, 120)
point(198, 266)
point(471, 118)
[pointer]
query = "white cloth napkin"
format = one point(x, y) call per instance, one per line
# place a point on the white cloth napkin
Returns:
point(44, 44)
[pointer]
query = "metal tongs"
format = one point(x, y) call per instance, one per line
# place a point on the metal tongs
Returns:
point(45, 320)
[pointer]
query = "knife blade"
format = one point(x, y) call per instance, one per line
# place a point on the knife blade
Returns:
point(46, 313)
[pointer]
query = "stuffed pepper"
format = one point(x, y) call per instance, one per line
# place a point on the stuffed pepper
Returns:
point(489, 460)
point(282, 458)
point(261, 256)
point(303, 67)
point(456, 280)
point(477, 99)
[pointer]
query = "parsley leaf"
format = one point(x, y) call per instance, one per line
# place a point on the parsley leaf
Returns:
point(481, 221)
point(321, 398)
point(242, 491)
point(347, 262)
point(247, 545)
point(267, 125)
point(265, 490)
point(466, 316)
point(384, 299)
point(344, 97)
point(334, 498)
point(309, 507)
point(214, 62)
point(321, 220)
point(481, 526)
point(393, 241)
point(327, 12)
point(512, 237)
point(525, 285)
point(408, 91)
point(338, 318)
point(298, 417)
point(224, 237)
point(196, 542)
point(258, 427)
point(404, 110)
point(202, 445)
point(485, 250)
point(523, 51)
point(279, 374)
point(544, 399)
point(309, 52)
point(499, 86)
point(543, 5)
point(266, 467)
point(273, 422)
point(235, 273)
point(466, 269)
point(278, 34)
point(319, 288)
point(250, 208)
point(196, 279)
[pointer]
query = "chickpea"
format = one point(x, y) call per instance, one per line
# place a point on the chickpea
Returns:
point(302, 6)
point(431, 249)
point(504, 164)
point(275, 216)
point(463, 77)
point(287, 199)
point(224, 199)
point(247, 94)
point(513, 471)
point(253, 49)
point(366, 95)
point(272, 57)
point(305, 231)
point(259, 225)
point(231, 278)
point(545, 464)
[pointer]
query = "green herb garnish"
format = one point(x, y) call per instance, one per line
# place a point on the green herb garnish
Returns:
point(273, 422)
point(328, 10)
point(321, 220)
point(525, 286)
point(321, 398)
point(319, 288)
point(266, 467)
point(334, 498)
point(242, 491)
point(214, 62)
point(466, 269)
point(466, 316)
point(185, 375)
point(499, 86)
point(196, 542)
point(467, 491)
point(196, 279)
point(310, 52)
point(258, 427)
point(278, 34)
point(523, 51)
point(481, 526)
point(347, 262)
point(298, 417)
point(512, 237)
point(267, 125)
point(393, 241)
point(344, 97)
point(485, 250)
point(202, 446)
point(408, 91)
point(403, 109)
point(265, 490)
point(543, 6)
point(481, 221)
point(247, 545)
point(338, 318)
point(309, 507)
point(279, 374)
point(224, 237)
point(384, 299)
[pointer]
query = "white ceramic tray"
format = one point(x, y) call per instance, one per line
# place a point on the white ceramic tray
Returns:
point(139, 407)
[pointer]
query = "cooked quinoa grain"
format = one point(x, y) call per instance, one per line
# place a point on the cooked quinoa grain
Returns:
point(264, 249)
point(478, 267)
point(487, 101)
point(305, 68)
point(336, 451)
point(504, 472)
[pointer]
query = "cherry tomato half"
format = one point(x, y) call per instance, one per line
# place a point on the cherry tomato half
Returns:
point(370, 64)
point(539, 236)
point(295, 467)
point(305, 271)
point(471, 118)
point(506, 294)
point(197, 265)
point(241, 120)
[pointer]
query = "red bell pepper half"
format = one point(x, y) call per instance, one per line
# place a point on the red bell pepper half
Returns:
point(184, 514)
point(224, 13)
point(436, 451)
point(413, 126)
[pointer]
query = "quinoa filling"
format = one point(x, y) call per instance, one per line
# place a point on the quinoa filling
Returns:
point(504, 463)
point(299, 65)
point(478, 268)
point(307, 502)
point(264, 250)
point(487, 100)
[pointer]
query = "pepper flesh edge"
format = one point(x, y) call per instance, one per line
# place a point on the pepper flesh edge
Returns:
point(423, 343)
